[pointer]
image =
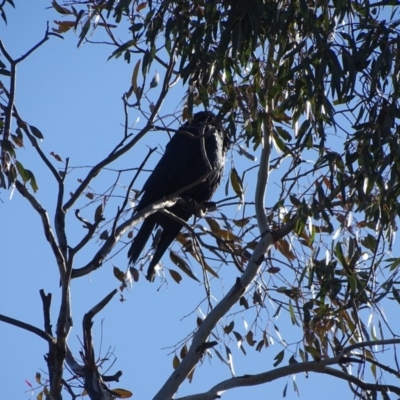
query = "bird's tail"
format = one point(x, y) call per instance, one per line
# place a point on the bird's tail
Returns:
point(140, 240)
point(169, 233)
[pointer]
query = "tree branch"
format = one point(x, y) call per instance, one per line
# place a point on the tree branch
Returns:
point(262, 178)
point(27, 327)
point(258, 379)
point(200, 337)
point(46, 300)
point(115, 153)
point(361, 384)
point(46, 227)
point(13, 74)
point(113, 239)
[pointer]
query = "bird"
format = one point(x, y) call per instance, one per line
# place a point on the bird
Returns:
point(182, 164)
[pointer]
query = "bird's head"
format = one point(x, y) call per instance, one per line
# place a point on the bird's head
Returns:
point(209, 118)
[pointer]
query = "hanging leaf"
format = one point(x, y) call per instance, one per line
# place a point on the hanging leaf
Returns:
point(35, 132)
point(175, 275)
point(60, 9)
point(237, 184)
point(182, 264)
point(229, 328)
point(183, 352)
point(119, 274)
point(175, 362)
point(230, 360)
point(279, 358)
point(84, 32)
point(63, 26)
point(250, 338)
point(154, 82)
point(141, 6)
point(22, 172)
point(56, 156)
point(135, 76)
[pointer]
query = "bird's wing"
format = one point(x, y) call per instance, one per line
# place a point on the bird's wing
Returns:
point(177, 168)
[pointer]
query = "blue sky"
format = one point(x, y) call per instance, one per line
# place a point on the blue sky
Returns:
point(74, 97)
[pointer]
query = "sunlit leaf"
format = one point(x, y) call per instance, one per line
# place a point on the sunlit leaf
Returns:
point(154, 82)
point(237, 184)
point(241, 222)
point(215, 228)
point(141, 6)
point(230, 360)
point(121, 393)
point(175, 362)
point(184, 351)
point(63, 26)
point(135, 75)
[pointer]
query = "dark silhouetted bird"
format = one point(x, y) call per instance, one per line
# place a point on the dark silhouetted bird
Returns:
point(182, 164)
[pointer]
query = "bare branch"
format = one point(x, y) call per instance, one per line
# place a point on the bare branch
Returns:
point(46, 300)
point(115, 154)
point(46, 226)
point(94, 383)
point(113, 239)
point(13, 64)
point(91, 230)
point(262, 178)
point(59, 218)
point(125, 202)
point(37, 45)
point(27, 327)
point(369, 343)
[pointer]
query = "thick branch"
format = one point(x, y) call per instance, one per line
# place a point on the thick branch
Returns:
point(262, 178)
point(321, 366)
point(200, 338)
point(46, 300)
